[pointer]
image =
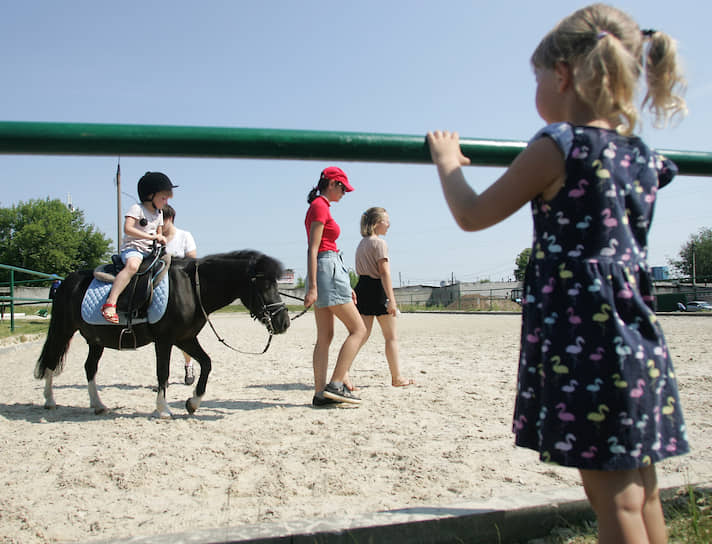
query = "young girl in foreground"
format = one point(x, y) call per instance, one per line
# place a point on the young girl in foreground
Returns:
point(596, 386)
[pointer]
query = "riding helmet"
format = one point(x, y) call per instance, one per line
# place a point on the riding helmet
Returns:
point(151, 183)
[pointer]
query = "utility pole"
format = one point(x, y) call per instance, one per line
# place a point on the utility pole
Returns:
point(693, 265)
point(118, 206)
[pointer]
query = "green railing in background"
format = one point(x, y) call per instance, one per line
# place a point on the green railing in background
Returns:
point(18, 137)
point(12, 283)
point(222, 142)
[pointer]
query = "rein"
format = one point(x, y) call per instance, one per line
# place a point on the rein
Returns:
point(222, 340)
point(300, 314)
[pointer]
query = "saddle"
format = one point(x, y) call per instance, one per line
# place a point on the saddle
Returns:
point(136, 298)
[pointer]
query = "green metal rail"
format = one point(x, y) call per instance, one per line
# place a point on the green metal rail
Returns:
point(222, 142)
point(12, 298)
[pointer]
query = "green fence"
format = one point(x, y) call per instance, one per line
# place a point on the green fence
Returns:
point(222, 142)
point(17, 137)
point(12, 300)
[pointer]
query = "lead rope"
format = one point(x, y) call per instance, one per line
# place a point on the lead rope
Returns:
point(207, 318)
point(300, 314)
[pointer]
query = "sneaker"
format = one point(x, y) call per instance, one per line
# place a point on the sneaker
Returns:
point(323, 401)
point(341, 394)
point(189, 376)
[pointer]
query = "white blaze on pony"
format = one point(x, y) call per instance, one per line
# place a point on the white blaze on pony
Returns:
point(222, 278)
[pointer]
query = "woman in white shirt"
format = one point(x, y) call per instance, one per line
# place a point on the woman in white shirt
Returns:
point(179, 243)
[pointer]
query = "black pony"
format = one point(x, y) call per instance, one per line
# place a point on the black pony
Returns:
point(197, 287)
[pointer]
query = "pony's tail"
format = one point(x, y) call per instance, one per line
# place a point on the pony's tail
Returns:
point(57, 342)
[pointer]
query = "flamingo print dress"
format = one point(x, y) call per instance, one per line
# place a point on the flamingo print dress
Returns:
point(596, 387)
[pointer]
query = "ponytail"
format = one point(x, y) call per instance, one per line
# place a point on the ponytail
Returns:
point(312, 195)
point(664, 78)
point(318, 189)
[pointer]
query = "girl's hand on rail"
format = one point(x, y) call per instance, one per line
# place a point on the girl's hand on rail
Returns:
point(445, 150)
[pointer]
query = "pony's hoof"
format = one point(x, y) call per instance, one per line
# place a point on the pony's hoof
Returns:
point(50, 405)
point(100, 410)
point(189, 407)
point(162, 414)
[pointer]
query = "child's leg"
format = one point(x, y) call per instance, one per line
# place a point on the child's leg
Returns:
point(653, 508)
point(627, 505)
point(123, 278)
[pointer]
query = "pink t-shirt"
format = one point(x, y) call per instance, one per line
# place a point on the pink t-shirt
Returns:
point(319, 211)
point(370, 251)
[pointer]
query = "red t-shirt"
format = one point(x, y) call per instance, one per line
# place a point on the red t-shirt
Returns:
point(319, 211)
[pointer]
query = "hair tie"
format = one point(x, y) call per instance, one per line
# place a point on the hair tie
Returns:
point(601, 34)
point(648, 32)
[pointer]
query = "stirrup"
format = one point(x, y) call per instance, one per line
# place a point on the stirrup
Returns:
point(121, 338)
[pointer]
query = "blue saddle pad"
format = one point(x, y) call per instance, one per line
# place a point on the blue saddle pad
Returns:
point(96, 295)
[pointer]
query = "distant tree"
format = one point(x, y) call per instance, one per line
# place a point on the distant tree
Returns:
point(300, 283)
point(521, 263)
point(699, 245)
point(353, 278)
point(46, 236)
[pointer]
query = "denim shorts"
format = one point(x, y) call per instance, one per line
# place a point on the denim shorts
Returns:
point(126, 254)
point(332, 280)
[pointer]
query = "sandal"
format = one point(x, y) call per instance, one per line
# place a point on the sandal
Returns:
point(111, 317)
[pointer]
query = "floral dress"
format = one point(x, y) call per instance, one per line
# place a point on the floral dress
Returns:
point(596, 387)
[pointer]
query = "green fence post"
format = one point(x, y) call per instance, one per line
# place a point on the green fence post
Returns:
point(12, 300)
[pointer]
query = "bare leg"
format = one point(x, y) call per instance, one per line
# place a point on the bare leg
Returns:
point(388, 328)
point(653, 508)
point(121, 280)
point(627, 505)
point(349, 316)
point(368, 323)
point(324, 334)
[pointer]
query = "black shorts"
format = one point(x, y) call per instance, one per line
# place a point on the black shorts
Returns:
point(370, 296)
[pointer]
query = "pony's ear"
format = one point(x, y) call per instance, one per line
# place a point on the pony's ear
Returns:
point(270, 267)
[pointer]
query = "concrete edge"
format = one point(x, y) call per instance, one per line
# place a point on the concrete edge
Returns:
point(504, 520)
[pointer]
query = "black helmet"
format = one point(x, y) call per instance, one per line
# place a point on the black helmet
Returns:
point(151, 183)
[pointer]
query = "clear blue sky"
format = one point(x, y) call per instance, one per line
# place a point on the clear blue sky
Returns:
point(368, 66)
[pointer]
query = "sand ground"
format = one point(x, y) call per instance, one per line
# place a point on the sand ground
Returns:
point(257, 451)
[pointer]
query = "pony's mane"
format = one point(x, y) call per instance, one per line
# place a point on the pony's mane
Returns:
point(270, 267)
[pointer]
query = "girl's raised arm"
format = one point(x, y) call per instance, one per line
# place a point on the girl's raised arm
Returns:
point(539, 169)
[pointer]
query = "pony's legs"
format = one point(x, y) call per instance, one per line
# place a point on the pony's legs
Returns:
point(90, 367)
point(196, 351)
point(163, 360)
point(49, 404)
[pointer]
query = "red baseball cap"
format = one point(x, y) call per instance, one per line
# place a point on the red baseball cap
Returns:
point(337, 174)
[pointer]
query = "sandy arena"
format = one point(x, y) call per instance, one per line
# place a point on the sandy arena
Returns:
point(256, 451)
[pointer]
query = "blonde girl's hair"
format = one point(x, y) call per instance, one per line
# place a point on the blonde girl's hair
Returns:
point(370, 218)
point(607, 53)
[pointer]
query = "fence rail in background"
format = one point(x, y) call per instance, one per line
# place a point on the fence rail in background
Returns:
point(43, 138)
point(18, 137)
point(24, 300)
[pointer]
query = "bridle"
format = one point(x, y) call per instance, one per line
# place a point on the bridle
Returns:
point(264, 314)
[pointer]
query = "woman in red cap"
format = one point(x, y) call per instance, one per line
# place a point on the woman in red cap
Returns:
point(329, 290)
